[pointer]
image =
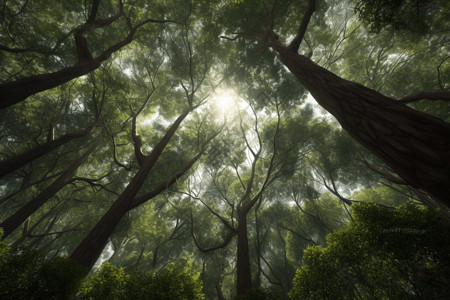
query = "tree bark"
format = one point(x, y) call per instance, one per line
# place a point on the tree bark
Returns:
point(414, 144)
point(18, 90)
point(12, 164)
point(10, 224)
point(92, 246)
point(244, 277)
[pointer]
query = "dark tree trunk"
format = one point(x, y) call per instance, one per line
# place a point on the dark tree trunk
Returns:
point(244, 277)
point(414, 144)
point(10, 224)
point(16, 91)
point(92, 246)
point(14, 163)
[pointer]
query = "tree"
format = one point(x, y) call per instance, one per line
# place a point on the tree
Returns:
point(412, 15)
point(280, 176)
point(14, 221)
point(412, 143)
point(240, 183)
point(91, 247)
point(251, 190)
point(87, 60)
point(369, 259)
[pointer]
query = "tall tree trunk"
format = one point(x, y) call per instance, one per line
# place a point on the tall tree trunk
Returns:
point(244, 277)
point(92, 246)
point(17, 91)
point(14, 163)
point(10, 224)
point(414, 144)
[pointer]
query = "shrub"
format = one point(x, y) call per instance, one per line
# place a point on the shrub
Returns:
point(259, 294)
point(26, 274)
point(113, 283)
point(384, 253)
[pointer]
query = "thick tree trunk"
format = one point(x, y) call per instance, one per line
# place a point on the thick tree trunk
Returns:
point(414, 144)
point(244, 277)
point(92, 246)
point(10, 224)
point(14, 163)
point(16, 91)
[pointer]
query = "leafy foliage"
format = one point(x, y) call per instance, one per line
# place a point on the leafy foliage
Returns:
point(368, 259)
point(113, 283)
point(210, 46)
point(259, 294)
point(26, 274)
point(413, 15)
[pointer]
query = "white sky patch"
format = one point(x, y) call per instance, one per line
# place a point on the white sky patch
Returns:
point(106, 254)
point(77, 105)
point(147, 121)
point(224, 100)
point(128, 71)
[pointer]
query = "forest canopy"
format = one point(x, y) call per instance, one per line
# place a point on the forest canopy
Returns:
point(215, 141)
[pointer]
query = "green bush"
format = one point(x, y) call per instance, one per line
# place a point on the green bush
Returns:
point(259, 294)
point(113, 283)
point(26, 274)
point(383, 253)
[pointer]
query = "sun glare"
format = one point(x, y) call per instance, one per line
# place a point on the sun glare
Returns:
point(224, 101)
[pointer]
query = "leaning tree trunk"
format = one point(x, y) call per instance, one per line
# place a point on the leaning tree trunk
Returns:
point(14, 92)
point(14, 163)
point(414, 144)
point(14, 221)
point(243, 272)
point(92, 246)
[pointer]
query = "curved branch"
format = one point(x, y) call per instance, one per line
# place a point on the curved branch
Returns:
point(166, 184)
point(115, 157)
point(222, 245)
point(439, 95)
point(383, 173)
point(295, 44)
point(298, 234)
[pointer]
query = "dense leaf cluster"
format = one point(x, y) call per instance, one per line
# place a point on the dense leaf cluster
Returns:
point(384, 253)
point(27, 274)
point(113, 283)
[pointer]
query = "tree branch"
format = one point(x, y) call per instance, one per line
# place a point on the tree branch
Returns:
point(115, 156)
point(166, 184)
point(222, 245)
point(385, 174)
point(439, 95)
point(295, 44)
point(298, 234)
